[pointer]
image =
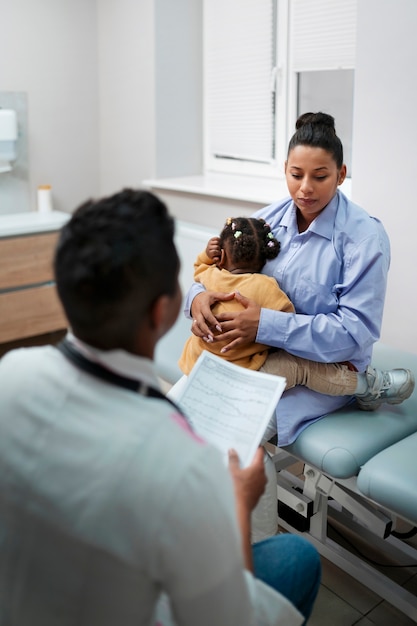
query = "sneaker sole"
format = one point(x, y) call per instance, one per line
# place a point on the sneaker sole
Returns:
point(368, 406)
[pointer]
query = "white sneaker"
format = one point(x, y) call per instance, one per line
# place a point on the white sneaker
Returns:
point(391, 386)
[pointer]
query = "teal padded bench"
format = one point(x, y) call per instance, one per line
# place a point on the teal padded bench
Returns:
point(341, 443)
point(390, 478)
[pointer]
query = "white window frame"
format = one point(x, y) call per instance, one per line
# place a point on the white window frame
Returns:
point(285, 88)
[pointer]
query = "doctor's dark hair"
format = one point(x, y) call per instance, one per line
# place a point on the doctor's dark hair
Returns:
point(318, 131)
point(249, 242)
point(114, 258)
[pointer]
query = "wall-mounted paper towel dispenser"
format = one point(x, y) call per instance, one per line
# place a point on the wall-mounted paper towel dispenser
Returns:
point(8, 139)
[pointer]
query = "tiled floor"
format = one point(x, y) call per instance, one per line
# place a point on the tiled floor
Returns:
point(343, 601)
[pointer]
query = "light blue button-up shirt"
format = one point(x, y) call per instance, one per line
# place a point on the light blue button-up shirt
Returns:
point(335, 273)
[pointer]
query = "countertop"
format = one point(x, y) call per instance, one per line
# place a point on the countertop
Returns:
point(14, 224)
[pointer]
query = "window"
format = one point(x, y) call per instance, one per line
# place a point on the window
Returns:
point(330, 91)
point(265, 62)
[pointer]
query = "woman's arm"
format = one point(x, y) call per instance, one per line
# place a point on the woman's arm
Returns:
point(348, 317)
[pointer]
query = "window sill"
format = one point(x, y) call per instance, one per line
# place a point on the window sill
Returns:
point(229, 186)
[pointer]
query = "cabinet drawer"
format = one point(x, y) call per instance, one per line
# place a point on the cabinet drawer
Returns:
point(27, 260)
point(30, 312)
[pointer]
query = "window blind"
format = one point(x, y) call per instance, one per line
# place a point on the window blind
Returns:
point(323, 34)
point(239, 52)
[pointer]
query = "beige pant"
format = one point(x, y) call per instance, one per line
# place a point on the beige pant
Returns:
point(333, 379)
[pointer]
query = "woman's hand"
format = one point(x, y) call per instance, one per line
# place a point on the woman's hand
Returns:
point(239, 327)
point(205, 325)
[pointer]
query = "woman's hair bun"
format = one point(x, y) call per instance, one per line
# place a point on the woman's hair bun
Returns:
point(322, 119)
point(318, 131)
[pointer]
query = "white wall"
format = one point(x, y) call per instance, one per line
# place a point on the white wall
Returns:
point(126, 110)
point(179, 87)
point(150, 90)
point(87, 67)
point(384, 148)
point(48, 49)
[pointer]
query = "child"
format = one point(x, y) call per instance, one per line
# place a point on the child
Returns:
point(233, 262)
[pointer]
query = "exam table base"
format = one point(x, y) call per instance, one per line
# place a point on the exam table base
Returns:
point(319, 501)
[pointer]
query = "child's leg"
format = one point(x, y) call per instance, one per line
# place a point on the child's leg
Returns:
point(332, 379)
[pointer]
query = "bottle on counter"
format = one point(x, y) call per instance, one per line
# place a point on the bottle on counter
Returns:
point(45, 198)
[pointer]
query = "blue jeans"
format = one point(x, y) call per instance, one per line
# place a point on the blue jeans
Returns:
point(291, 565)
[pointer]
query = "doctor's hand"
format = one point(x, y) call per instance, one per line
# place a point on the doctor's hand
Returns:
point(250, 482)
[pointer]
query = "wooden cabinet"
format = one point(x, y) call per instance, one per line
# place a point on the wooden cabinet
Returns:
point(29, 305)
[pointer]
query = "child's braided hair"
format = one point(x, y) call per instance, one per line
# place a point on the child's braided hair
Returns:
point(249, 242)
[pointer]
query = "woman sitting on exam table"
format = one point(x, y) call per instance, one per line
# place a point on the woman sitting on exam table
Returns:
point(333, 265)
